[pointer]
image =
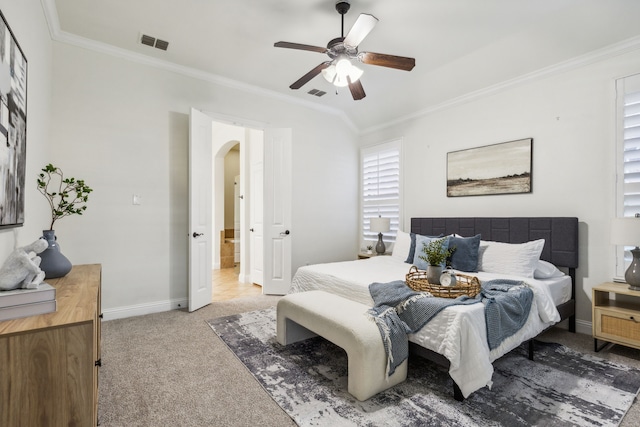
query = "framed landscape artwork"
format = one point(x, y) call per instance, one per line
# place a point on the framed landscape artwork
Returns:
point(13, 127)
point(503, 168)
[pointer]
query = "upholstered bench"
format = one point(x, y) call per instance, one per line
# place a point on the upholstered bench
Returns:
point(345, 323)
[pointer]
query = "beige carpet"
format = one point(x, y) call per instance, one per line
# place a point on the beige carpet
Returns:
point(169, 369)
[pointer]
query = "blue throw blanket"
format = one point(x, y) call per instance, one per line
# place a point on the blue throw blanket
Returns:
point(400, 311)
point(506, 308)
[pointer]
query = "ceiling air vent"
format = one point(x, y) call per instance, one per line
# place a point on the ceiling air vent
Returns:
point(147, 40)
point(161, 44)
point(153, 42)
point(317, 92)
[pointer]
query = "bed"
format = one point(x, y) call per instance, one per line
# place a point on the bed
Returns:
point(456, 337)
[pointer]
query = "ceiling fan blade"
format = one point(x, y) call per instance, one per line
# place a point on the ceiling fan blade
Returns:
point(391, 61)
point(301, 47)
point(311, 74)
point(357, 91)
point(363, 26)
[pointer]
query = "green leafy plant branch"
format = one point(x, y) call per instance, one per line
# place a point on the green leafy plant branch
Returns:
point(435, 252)
point(66, 196)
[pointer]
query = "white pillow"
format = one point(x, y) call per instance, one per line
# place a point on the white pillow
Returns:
point(546, 270)
point(518, 259)
point(401, 246)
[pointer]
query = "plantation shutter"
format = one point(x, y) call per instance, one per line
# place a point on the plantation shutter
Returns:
point(628, 123)
point(631, 154)
point(380, 186)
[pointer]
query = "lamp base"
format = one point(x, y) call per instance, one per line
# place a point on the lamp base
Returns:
point(632, 275)
point(380, 248)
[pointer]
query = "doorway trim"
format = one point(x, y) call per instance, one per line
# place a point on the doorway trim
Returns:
point(247, 125)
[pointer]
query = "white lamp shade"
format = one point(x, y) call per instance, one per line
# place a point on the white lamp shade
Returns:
point(625, 231)
point(380, 225)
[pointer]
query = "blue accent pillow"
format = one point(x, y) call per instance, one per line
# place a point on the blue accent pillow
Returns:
point(465, 254)
point(420, 242)
point(412, 248)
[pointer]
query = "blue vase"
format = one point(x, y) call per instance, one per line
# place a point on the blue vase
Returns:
point(53, 263)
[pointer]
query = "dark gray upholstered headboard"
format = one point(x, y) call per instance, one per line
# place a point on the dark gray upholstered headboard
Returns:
point(560, 233)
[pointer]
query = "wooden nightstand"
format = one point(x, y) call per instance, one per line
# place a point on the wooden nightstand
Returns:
point(364, 255)
point(613, 320)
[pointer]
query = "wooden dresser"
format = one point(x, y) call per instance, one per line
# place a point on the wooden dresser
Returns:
point(49, 363)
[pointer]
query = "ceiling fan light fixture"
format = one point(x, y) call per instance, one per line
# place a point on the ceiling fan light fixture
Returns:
point(343, 65)
point(355, 73)
point(329, 73)
point(338, 72)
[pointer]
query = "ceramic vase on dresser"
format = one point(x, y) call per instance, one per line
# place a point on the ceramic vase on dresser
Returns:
point(53, 263)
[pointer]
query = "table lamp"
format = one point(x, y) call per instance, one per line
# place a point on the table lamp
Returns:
point(626, 231)
point(381, 225)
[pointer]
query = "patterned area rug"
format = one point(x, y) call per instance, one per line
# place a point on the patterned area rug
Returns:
point(309, 381)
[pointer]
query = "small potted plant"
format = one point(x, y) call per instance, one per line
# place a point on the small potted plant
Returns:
point(435, 254)
point(369, 249)
point(66, 196)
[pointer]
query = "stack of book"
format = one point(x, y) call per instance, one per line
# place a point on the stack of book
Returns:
point(27, 302)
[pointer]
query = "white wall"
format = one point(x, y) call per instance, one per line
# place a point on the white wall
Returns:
point(123, 127)
point(26, 20)
point(571, 118)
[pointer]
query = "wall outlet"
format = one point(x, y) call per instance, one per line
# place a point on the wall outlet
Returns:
point(137, 200)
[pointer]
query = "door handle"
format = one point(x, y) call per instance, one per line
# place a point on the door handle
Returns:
point(197, 234)
point(285, 233)
point(251, 230)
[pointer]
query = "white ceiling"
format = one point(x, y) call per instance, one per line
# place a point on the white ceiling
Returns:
point(461, 47)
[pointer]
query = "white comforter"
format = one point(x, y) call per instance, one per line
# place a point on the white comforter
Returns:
point(458, 332)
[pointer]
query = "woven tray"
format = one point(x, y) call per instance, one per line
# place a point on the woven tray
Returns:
point(465, 285)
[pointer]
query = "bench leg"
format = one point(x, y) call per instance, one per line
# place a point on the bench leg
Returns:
point(457, 393)
point(289, 331)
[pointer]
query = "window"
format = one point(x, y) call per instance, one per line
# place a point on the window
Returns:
point(380, 188)
point(628, 181)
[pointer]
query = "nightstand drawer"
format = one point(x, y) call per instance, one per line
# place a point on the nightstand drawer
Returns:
point(617, 324)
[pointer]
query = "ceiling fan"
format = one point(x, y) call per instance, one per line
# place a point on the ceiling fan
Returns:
point(339, 70)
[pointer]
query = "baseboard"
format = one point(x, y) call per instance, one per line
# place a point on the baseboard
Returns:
point(582, 326)
point(142, 309)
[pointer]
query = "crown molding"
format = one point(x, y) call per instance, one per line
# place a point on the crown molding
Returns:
point(51, 16)
point(602, 54)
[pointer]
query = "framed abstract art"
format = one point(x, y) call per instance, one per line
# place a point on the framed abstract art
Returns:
point(13, 127)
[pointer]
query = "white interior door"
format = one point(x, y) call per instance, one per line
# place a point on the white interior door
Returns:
point(256, 221)
point(200, 208)
point(277, 211)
